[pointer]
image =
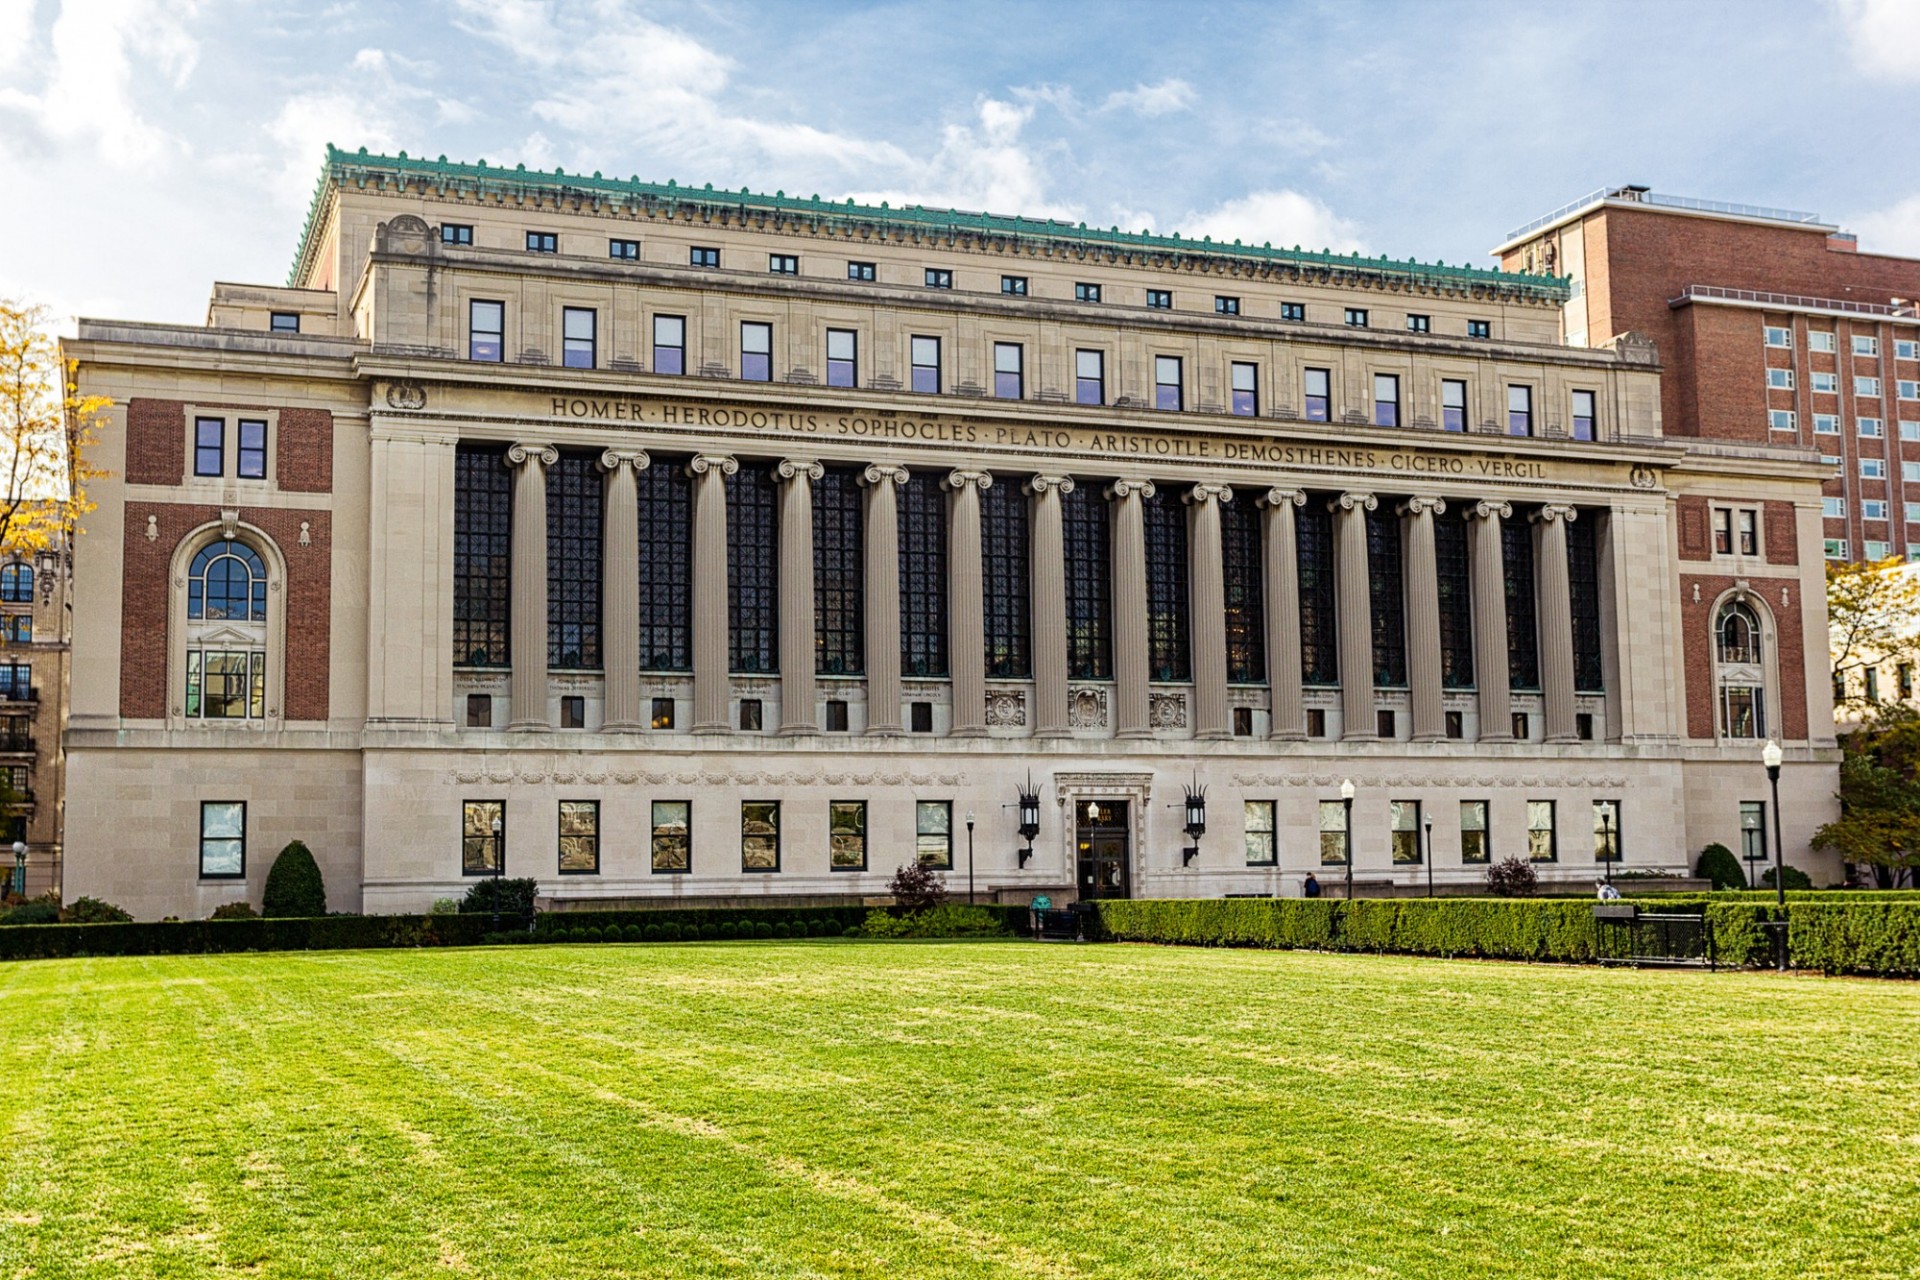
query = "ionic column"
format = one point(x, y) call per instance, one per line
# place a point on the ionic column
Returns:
point(620, 588)
point(797, 713)
point(527, 700)
point(1354, 613)
point(1049, 574)
point(966, 622)
point(883, 599)
point(1555, 609)
point(1130, 671)
point(711, 688)
point(1283, 615)
point(1207, 611)
point(1488, 563)
point(1422, 582)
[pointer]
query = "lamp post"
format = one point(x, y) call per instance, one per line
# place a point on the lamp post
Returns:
point(1770, 756)
point(969, 857)
point(20, 868)
point(1426, 854)
point(1606, 836)
point(499, 866)
point(1346, 799)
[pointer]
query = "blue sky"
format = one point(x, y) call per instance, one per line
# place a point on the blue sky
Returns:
point(148, 147)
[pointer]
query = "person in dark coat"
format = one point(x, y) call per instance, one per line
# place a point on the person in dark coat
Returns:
point(1312, 887)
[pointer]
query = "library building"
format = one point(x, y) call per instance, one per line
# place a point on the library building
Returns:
point(674, 545)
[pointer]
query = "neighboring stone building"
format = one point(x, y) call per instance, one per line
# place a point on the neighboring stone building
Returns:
point(1772, 327)
point(687, 545)
point(35, 625)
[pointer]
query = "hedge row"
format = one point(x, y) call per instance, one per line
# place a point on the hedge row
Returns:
point(1015, 919)
point(189, 937)
point(1880, 938)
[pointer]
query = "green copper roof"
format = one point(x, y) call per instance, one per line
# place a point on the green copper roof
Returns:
point(343, 166)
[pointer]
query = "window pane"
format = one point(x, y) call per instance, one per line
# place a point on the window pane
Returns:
point(933, 833)
point(579, 836)
point(847, 834)
point(672, 833)
point(760, 835)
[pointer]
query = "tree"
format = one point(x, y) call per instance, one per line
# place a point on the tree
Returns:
point(916, 888)
point(1879, 822)
point(46, 430)
point(294, 887)
point(1873, 617)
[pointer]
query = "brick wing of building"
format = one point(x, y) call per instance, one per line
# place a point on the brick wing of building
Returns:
point(680, 545)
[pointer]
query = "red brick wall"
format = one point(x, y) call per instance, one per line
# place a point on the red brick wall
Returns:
point(305, 458)
point(143, 602)
point(1783, 539)
point(1696, 619)
point(1696, 543)
point(1721, 392)
point(156, 441)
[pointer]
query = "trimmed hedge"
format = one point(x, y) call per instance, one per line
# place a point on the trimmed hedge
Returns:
point(295, 889)
point(1013, 919)
point(1881, 938)
point(188, 937)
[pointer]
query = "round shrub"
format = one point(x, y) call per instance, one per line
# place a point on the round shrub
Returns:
point(591, 933)
point(670, 932)
point(241, 910)
point(633, 933)
point(826, 929)
point(1795, 878)
point(651, 933)
point(1718, 864)
point(781, 930)
point(294, 887)
point(572, 935)
point(798, 929)
point(707, 932)
point(1512, 878)
point(763, 930)
point(32, 913)
point(93, 911)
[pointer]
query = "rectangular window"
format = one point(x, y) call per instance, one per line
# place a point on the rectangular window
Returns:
point(1909, 430)
point(1519, 411)
point(756, 351)
point(1356, 317)
point(1541, 846)
point(1225, 306)
point(750, 713)
point(1013, 286)
point(1334, 844)
point(1089, 377)
point(933, 833)
point(1873, 469)
point(284, 321)
point(1316, 722)
point(1723, 531)
point(1243, 722)
point(663, 714)
point(1872, 675)
point(573, 711)
point(1386, 400)
point(1909, 389)
point(1160, 299)
point(1781, 420)
point(579, 837)
point(1834, 508)
point(223, 839)
point(623, 250)
point(759, 835)
point(836, 713)
point(1583, 726)
point(1317, 395)
point(1479, 328)
point(1873, 509)
point(1293, 311)
point(579, 333)
point(1826, 383)
point(1246, 389)
point(1405, 817)
point(847, 835)
point(1419, 324)
point(455, 233)
point(672, 836)
point(926, 365)
point(1913, 512)
point(1453, 404)
point(543, 242)
point(1522, 726)
point(486, 330)
point(1778, 337)
point(483, 837)
point(251, 463)
point(1748, 522)
point(1753, 830)
point(939, 278)
point(1876, 550)
point(1868, 388)
point(1456, 723)
point(920, 717)
point(1474, 844)
point(1262, 851)
point(1606, 831)
point(479, 711)
point(1385, 724)
point(843, 347)
point(1872, 428)
point(209, 446)
point(1836, 548)
point(1906, 349)
point(703, 257)
point(1780, 379)
point(1167, 384)
point(1009, 379)
point(1740, 711)
point(669, 344)
point(1827, 423)
point(1086, 293)
point(1819, 340)
point(862, 271)
point(783, 264)
point(1583, 402)
point(1865, 346)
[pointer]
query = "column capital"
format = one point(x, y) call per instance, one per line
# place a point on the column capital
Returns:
point(1280, 496)
point(794, 468)
point(1203, 493)
point(881, 472)
point(1487, 509)
point(1555, 511)
point(961, 479)
point(701, 463)
point(519, 455)
point(1040, 484)
point(1421, 505)
point(1349, 501)
point(614, 459)
point(1127, 489)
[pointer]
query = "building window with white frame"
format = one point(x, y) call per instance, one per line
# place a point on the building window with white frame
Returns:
point(1873, 509)
point(1740, 671)
point(1826, 384)
point(1169, 390)
point(1906, 349)
point(1779, 337)
point(1089, 377)
point(1820, 340)
point(843, 348)
point(1823, 423)
point(1781, 420)
point(1386, 400)
point(1873, 469)
point(1865, 345)
point(1866, 388)
point(1245, 377)
point(578, 337)
point(1909, 389)
point(1833, 508)
point(226, 656)
point(669, 344)
point(1780, 379)
point(1874, 549)
point(1872, 428)
point(1009, 371)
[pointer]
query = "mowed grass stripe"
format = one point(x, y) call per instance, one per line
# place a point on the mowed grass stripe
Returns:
point(853, 1109)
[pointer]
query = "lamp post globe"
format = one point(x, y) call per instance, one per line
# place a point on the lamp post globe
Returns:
point(20, 868)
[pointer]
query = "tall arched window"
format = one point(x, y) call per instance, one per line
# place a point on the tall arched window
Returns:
point(226, 633)
point(1740, 680)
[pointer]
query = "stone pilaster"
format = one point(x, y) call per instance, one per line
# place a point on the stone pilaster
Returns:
point(1207, 611)
point(1554, 586)
point(883, 599)
point(1283, 614)
point(966, 587)
point(1353, 608)
point(620, 589)
point(711, 689)
point(1049, 586)
point(527, 701)
point(797, 713)
point(1422, 583)
point(1130, 668)
point(1488, 563)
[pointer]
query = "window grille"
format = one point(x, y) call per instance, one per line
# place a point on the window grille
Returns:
point(1388, 603)
point(1242, 570)
point(1006, 566)
point(1089, 561)
point(1165, 520)
point(1583, 576)
point(482, 556)
point(1456, 601)
point(839, 572)
point(666, 566)
point(574, 562)
point(923, 575)
point(1313, 543)
point(753, 570)
point(1523, 649)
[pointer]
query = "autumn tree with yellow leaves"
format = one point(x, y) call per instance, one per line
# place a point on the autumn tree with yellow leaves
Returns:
point(46, 430)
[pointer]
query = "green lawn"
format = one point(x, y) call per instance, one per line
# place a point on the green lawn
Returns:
point(928, 1110)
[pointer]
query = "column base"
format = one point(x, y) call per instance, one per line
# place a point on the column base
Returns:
point(623, 726)
point(1495, 737)
point(1288, 735)
point(800, 730)
point(1133, 733)
point(1212, 735)
point(885, 731)
point(1428, 737)
point(967, 731)
point(1359, 737)
point(712, 727)
point(1562, 737)
point(1053, 732)
point(529, 726)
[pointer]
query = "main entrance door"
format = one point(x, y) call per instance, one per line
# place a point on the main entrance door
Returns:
point(1104, 844)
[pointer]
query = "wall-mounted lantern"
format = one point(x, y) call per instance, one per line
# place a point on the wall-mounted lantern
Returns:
point(1196, 821)
point(1029, 818)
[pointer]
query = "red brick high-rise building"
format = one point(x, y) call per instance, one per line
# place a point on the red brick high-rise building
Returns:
point(1772, 328)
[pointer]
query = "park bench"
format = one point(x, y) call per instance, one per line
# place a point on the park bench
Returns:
point(1670, 939)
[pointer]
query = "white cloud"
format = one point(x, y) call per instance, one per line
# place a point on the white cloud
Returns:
point(1161, 99)
point(984, 167)
point(1883, 35)
point(87, 96)
point(1891, 230)
point(305, 125)
point(16, 30)
point(1284, 218)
